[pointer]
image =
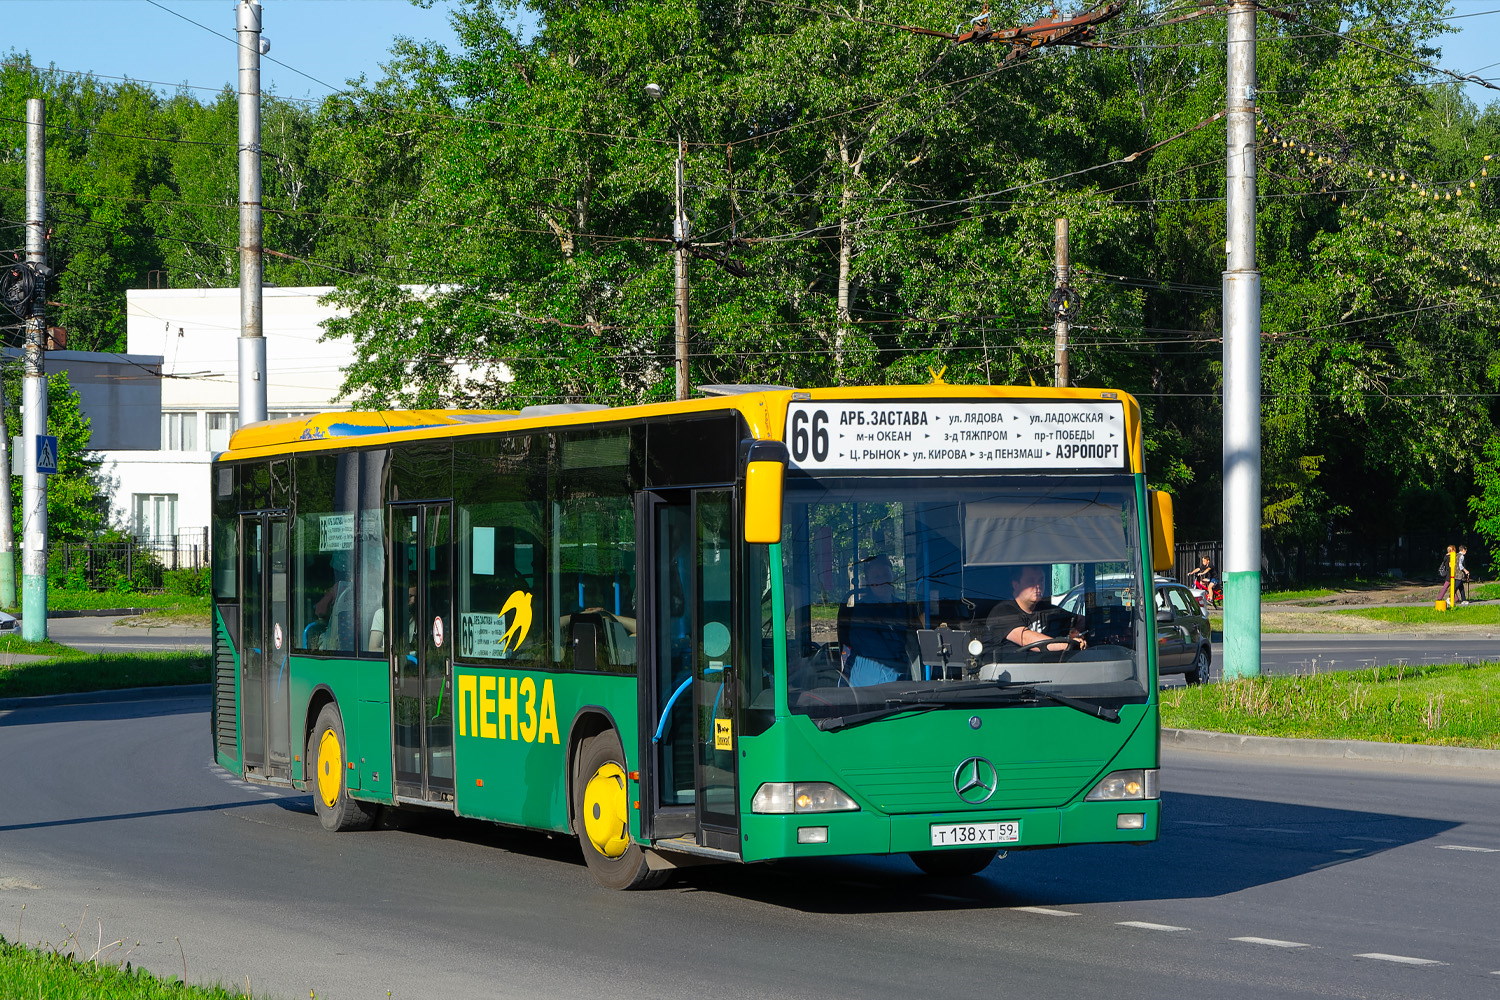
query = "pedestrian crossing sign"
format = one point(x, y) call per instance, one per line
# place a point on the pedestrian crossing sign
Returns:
point(46, 453)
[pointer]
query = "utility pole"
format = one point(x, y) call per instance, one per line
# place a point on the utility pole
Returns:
point(1242, 506)
point(34, 384)
point(1062, 305)
point(680, 241)
point(252, 354)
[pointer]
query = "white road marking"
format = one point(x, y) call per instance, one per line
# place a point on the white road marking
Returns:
point(1195, 822)
point(1044, 911)
point(1374, 840)
point(1143, 925)
point(1462, 847)
point(1270, 829)
point(1401, 959)
point(1270, 942)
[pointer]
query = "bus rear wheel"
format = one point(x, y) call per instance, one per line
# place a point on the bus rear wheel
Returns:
point(969, 861)
point(326, 767)
point(601, 817)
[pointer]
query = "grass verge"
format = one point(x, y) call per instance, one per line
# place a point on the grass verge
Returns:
point(64, 670)
point(30, 972)
point(88, 600)
point(1455, 705)
point(1473, 614)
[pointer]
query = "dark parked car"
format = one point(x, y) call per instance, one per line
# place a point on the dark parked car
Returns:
point(1184, 637)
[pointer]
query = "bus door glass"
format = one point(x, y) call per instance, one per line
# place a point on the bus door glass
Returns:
point(690, 711)
point(265, 646)
point(420, 644)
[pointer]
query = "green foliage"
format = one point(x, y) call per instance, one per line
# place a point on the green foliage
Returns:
point(186, 582)
point(77, 496)
point(866, 205)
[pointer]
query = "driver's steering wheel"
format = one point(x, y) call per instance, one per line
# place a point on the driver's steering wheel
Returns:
point(1039, 646)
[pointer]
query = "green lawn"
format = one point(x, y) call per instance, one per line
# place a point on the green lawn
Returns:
point(1472, 614)
point(1445, 705)
point(41, 972)
point(67, 670)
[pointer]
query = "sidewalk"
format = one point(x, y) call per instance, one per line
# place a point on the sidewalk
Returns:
point(1275, 746)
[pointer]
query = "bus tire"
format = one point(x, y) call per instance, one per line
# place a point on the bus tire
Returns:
point(327, 757)
point(969, 861)
point(601, 817)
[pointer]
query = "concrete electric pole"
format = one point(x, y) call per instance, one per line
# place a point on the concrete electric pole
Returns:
point(1062, 305)
point(252, 337)
point(680, 240)
point(34, 386)
point(1242, 506)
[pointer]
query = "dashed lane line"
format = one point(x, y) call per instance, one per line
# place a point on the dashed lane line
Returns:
point(1399, 959)
point(1465, 847)
point(1145, 926)
point(1046, 911)
point(1271, 942)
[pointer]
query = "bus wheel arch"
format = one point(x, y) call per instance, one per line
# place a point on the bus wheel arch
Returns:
point(600, 807)
point(327, 759)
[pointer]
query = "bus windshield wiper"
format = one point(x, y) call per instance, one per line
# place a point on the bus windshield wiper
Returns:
point(946, 700)
point(1030, 690)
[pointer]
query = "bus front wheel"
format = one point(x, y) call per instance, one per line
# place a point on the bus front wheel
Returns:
point(969, 861)
point(601, 817)
point(327, 758)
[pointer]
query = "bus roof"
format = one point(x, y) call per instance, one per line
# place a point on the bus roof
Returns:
point(763, 407)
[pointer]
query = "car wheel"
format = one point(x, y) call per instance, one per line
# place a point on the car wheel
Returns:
point(1199, 672)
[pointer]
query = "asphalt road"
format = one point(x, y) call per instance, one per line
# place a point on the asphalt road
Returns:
point(1272, 879)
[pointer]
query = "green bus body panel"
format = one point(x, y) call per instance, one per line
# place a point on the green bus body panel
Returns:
point(1047, 759)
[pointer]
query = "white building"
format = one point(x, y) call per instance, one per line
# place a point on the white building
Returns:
point(163, 409)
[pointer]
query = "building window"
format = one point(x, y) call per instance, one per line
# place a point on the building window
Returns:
point(221, 424)
point(156, 515)
point(179, 432)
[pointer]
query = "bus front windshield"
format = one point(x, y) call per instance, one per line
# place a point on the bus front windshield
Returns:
point(962, 591)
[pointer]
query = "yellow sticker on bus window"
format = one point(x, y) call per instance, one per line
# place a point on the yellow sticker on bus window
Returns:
point(723, 735)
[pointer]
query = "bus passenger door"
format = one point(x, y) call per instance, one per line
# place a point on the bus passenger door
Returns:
point(689, 711)
point(265, 647)
point(419, 644)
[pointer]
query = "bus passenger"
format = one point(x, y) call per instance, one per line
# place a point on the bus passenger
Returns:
point(1021, 621)
point(873, 627)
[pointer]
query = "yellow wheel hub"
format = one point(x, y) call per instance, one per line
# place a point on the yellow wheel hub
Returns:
point(606, 818)
point(330, 776)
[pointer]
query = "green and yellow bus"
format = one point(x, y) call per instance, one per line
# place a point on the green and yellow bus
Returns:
point(760, 624)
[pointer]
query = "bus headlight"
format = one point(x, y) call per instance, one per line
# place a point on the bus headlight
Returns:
point(1119, 786)
point(801, 797)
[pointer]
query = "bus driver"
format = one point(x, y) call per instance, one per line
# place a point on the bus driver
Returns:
point(1020, 621)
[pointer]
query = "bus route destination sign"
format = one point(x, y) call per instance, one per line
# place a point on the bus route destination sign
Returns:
point(974, 434)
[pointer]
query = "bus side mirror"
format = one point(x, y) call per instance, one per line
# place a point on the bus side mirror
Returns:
point(765, 471)
point(1163, 532)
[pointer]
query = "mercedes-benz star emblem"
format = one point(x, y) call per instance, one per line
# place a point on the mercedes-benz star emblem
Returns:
point(975, 780)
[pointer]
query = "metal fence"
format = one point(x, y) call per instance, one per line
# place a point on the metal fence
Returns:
point(1342, 556)
point(140, 565)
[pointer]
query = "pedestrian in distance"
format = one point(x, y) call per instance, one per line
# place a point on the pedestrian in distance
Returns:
point(1461, 577)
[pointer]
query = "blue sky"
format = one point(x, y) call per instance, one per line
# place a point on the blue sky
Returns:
point(333, 40)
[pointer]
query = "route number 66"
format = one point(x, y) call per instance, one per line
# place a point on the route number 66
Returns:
point(816, 442)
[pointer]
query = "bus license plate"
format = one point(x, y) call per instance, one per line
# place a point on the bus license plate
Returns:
point(1005, 831)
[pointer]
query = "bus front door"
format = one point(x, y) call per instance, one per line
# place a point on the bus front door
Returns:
point(265, 648)
point(689, 702)
point(419, 643)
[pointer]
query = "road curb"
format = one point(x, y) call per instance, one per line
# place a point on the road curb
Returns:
point(1273, 746)
point(113, 694)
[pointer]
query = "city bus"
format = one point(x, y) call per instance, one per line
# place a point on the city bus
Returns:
point(648, 626)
